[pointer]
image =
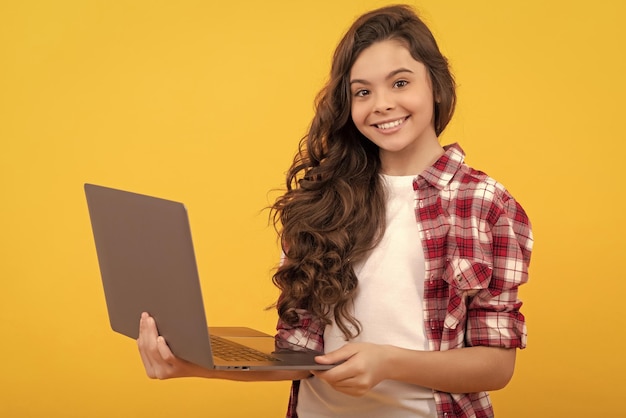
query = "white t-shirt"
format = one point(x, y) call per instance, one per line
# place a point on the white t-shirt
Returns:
point(388, 304)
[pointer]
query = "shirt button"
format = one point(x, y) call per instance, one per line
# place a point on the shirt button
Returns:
point(421, 203)
point(427, 234)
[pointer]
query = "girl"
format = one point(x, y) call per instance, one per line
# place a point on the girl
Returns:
point(401, 263)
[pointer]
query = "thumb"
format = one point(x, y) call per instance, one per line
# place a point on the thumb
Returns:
point(338, 356)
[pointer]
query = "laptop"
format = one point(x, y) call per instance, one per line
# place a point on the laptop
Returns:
point(147, 264)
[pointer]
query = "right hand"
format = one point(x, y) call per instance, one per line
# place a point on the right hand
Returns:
point(157, 358)
point(161, 363)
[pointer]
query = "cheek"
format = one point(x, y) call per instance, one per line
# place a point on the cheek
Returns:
point(423, 105)
point(359, 114)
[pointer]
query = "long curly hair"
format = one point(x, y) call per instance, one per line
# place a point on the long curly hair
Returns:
point(333, 211)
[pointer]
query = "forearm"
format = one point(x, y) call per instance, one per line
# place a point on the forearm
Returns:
point(161, 363)
point(464, 370)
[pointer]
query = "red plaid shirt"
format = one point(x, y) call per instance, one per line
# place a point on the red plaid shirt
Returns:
point(477, 243)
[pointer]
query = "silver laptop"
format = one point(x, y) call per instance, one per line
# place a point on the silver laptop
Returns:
point(147, 264)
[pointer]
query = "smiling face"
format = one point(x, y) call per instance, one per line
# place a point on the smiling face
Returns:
point(392, 105)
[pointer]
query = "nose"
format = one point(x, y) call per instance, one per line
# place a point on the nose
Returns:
point(383, 102)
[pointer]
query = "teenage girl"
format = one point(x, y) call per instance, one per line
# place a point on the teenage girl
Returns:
point(401, 262)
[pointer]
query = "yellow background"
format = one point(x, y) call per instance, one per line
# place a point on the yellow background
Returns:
point(204, 102)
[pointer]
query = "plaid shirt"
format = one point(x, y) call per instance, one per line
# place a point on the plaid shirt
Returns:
point(477, 243)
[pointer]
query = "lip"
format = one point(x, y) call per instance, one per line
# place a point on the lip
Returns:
point(392, 129)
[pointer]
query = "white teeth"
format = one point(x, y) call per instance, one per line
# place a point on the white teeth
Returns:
point(389, 125)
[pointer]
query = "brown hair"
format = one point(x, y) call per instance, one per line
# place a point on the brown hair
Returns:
point(333, 212)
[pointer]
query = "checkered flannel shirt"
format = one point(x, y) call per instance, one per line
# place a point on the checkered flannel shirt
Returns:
point(477, 243)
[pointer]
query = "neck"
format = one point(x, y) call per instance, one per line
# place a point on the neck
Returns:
point(422, 156)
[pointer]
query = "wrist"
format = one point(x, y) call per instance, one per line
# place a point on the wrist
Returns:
point(393, 359)
point(401, 361)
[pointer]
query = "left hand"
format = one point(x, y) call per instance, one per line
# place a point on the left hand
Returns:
point(363, 367)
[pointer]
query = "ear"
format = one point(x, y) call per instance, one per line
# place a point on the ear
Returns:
point(437, 96)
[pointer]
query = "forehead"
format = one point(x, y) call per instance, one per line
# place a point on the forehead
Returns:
point(381, 58)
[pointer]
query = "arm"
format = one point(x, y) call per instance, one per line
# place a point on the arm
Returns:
point(489, 361)
point(465, 370)
point(160, 363)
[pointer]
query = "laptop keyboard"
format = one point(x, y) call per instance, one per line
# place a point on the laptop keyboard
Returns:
point(231, 351)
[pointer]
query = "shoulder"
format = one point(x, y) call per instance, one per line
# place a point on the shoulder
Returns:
point(460, 181)
point(486, 204)
point(478, 194)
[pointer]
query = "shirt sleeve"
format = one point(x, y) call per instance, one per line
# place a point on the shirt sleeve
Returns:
point(307, 333)
point(494, 317)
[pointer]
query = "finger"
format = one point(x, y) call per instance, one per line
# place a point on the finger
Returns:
point(164, 351)
point(148, 327)
point(340, 373)
point(165, 368)
point(348, 383)
point(348, 386)
point(142, 345)
point(351, 368)
point(149, 346)
point(351, 387)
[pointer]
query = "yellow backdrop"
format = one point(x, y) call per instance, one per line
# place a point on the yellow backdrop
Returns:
point(204, 102)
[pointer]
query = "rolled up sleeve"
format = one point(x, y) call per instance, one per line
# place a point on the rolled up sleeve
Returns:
point(494, 317)
point(307, 333)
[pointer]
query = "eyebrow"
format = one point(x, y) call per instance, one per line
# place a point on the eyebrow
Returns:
point(390, 75)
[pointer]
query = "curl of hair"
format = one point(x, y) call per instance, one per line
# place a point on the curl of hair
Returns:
point(333, 211)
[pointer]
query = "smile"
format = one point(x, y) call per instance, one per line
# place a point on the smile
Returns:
point(389, 125)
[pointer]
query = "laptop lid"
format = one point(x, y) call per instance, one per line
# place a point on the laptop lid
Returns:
point(147, 264)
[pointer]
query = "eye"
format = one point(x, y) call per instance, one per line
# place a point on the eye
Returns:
point(400, 83)
point(361, 93)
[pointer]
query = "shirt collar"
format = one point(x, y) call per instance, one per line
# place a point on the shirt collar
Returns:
point(443, 170)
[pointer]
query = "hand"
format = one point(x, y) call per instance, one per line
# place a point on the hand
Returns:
point(161, 363)
point(363, 367)
point(157, 358)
